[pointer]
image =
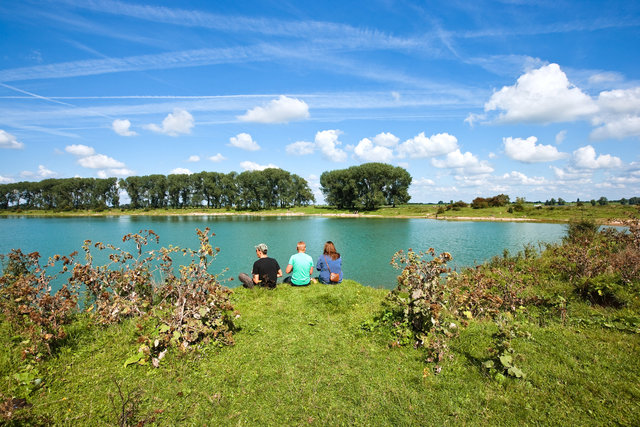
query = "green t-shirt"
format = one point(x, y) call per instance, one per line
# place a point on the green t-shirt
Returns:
point(301, 263)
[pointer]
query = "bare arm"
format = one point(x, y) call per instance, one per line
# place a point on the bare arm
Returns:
point(256, 278)
point(279, 273)
point(288, 270)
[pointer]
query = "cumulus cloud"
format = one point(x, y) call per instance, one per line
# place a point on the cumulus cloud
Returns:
point(5, 180)
point(421, 146)
point(253, 166)
point(585, 158)
point(369, 152)
point(300, 148)
point(618, 128)
point(180, 171)
point(176, 123)
point(544, 95)
point(79, 150)
point(244, 142)
point(386, 139)
point(122, 172)
point(281, 110)
point(423, 182)
point(88, 158)
point(9, 141)
point(122, 127)
point(467, 163)
point(43, 172)
point(327, 142)
point(193, 158)
point(527, 151)
point(619, 115)
point(516, 177)
point(99, 161)
point(217, 158)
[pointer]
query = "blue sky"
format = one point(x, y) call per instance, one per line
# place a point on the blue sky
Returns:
point(535, 99)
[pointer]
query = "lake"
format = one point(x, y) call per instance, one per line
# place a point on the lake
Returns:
point(366, 244)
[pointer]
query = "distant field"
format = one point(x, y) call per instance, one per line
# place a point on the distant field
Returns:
point(603, 214)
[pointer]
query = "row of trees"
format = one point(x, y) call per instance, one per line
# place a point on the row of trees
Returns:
point(67, 193)
point(367, 186)
point(270, 188)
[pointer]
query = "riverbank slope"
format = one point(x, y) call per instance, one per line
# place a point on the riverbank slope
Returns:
point(309, 356)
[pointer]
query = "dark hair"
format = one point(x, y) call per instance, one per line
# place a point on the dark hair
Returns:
point(330, 249)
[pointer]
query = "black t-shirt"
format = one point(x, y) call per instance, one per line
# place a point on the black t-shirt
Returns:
point(267, 271)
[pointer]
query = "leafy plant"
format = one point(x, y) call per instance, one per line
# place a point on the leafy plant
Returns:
point(503, 357)
point(27, 303)
point(419, 303)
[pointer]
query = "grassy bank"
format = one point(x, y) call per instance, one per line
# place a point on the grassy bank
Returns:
point(602, 214)
point(301, 357)
point(531, 338)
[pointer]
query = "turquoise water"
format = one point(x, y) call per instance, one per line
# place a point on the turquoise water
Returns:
point(366, 244)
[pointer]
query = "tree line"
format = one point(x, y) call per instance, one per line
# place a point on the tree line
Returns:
point(254, 190)
point(367, 186)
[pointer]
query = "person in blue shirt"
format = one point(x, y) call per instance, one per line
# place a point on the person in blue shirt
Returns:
point(329, 263)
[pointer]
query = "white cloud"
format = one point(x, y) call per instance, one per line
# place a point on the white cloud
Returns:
point(281, 110)
point(252, 166)
point(423, 182)
point(516, 177)
point(327, 142)
point(300, 148)
point(43, 172)
point(5, 180)
point(544, 95)
point(585, 158)
point(386, 139)
point(244, 142)
point(180, 171)
point(420, 146)
point(80, 150)
point(369, 152)
point(193, 158)
point(626, 101)
point(217, 158)
point(467, 163)
point(122, 127)
point(176, 123)
point(99, 161)
point(527, 151)
point(570, 174)
point(619, 128)
point(9, 141)
point(118, 172)
point(560, 137)
point(605, 77)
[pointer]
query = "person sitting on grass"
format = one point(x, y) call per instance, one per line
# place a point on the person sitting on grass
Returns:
point(329, 265)
point(301, 265)
point(265, 270)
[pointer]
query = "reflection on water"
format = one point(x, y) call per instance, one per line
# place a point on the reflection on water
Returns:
point(366, 244)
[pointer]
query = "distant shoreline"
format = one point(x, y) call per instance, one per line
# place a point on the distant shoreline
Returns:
point(425, 215)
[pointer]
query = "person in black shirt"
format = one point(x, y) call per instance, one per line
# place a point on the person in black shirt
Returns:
point(265, 270)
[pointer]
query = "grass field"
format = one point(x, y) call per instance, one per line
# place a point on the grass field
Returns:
point(301, 357)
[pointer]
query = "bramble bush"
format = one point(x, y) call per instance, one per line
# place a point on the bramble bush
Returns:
point(601, 266)
point(27, 304)
point(418, 305)
point(185, 309)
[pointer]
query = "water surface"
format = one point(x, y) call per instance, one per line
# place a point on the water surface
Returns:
point(366, 244)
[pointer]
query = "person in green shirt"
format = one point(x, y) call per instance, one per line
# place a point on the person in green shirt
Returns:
point(301, 265)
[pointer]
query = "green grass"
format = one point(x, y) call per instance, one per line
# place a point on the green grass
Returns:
point(301, 357)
